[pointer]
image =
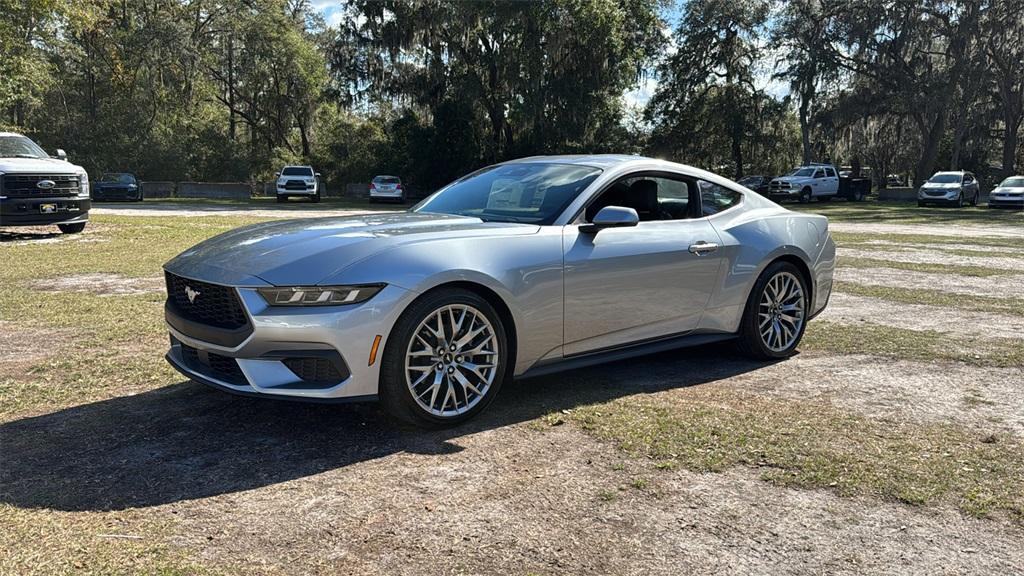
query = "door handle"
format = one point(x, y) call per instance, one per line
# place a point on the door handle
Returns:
point(701, 248)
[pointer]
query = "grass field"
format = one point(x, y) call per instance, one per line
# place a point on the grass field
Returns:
point(113, 465)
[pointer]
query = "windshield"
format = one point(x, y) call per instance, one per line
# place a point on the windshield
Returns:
point(386, 180)
point(119, 178)
point(1015, 182)
point(20, 147)
point(803, 172)
point(750, 180)
point(945, 179)
point(297, 171)
point(534, 193)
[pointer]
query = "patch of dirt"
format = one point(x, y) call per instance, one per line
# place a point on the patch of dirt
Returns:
point(991, 286)
point(101, 284)
point(935, 257)
point(980, 398)
point(957, 230)
point(22, 235)
point(512, 500)
point(851, 309)
point(22, 346)
point(981, 250)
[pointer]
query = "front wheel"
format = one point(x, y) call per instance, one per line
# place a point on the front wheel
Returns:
point(316, 197)
point(281, 198)
point(775, 316)
point(960, 200)
point(445, 359)
point(974, 200)
point(72, 228)
point(805, 196)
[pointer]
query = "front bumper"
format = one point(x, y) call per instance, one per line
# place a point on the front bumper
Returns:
point(125, 194)
point(259, 365)
point(282, 191)
point(29, 211)
point(1007, 201)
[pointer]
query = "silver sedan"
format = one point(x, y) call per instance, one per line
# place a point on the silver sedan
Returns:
point(518, 269)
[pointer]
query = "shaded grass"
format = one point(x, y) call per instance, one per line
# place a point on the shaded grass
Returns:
point(1013, 306)
point(920, 345)
point(814, 445)
point(961, 269)
point(269, 202)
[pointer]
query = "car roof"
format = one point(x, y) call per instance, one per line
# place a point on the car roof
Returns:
point(10, 134)
point(957, 172)
point(384, 176)
point(594, 160)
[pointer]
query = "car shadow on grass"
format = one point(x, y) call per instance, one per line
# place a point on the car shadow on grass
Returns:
point(25, 236)
point(186, 441)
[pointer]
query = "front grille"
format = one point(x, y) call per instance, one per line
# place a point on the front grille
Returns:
point(935, 192)
point(26, 185)
point(213, 305)
point(220, 367)
point(779, 185)
point(314, 370)
point(295, 185)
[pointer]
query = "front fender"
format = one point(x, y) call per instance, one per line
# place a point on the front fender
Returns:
point(525, 271)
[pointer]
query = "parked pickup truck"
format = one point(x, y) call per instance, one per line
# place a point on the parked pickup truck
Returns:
point(818, 181)
point(36, 189)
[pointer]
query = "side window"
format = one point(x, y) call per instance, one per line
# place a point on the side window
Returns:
point(715, 198)
point(830, 172)
point(819, 173)
point(653, 198)
point(968, 178)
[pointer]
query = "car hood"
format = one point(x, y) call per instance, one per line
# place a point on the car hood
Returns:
point(938, 185)
point(1009, 190)
point(793, 179)
point(305, 252)
point(38, 166)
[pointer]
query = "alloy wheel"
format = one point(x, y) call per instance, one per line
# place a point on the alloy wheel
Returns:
point(780, 314)
point(452, 359)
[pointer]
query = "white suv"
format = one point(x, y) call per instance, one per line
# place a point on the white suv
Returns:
point(298, 181)
point(386, 188)
point(806, 182)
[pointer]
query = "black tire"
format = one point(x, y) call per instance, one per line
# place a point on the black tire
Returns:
point(395, 396)
point(825, 199)
point(805, 196)
point(960, 200)
point(974, 199)
point(858, 196)
point(72, 228)
point(281, 198)
point(920, 204)
point(750, 342)
point(316, 197)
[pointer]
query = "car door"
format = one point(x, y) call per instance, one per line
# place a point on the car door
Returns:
point(831, 182)
point(626, 285)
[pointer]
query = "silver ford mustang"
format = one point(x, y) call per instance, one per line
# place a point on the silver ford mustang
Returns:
point(518, 269)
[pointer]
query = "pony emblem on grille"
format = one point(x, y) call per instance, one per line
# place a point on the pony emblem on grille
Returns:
point(192, 294)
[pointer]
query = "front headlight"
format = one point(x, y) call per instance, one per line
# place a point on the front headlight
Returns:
point(319, 295)
point(83, 184)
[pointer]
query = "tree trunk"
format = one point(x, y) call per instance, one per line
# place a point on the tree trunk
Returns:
point(805, 131)
point(932, 137)
point(1012, 120)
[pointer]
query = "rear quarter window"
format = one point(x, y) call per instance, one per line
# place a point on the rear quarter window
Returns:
point(715, 198)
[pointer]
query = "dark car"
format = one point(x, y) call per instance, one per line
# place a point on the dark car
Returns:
point(117, 186)
point(758, 184)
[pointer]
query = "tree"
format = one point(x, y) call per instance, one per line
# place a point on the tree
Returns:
point(707, 88)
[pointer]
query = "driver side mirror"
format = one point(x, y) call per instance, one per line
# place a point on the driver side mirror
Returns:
point(61, 154)
point(611, 217)
point(317, 174)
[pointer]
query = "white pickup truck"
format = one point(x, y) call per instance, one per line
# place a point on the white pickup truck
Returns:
point(37, 190)
point(819, 181)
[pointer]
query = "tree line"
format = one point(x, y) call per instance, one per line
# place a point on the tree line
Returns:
point(430, 89)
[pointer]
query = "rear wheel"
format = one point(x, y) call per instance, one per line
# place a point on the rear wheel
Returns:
point(72, 228)
point(805, 196)
point(775, 316)
point(445, 359)
point(974, 199)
